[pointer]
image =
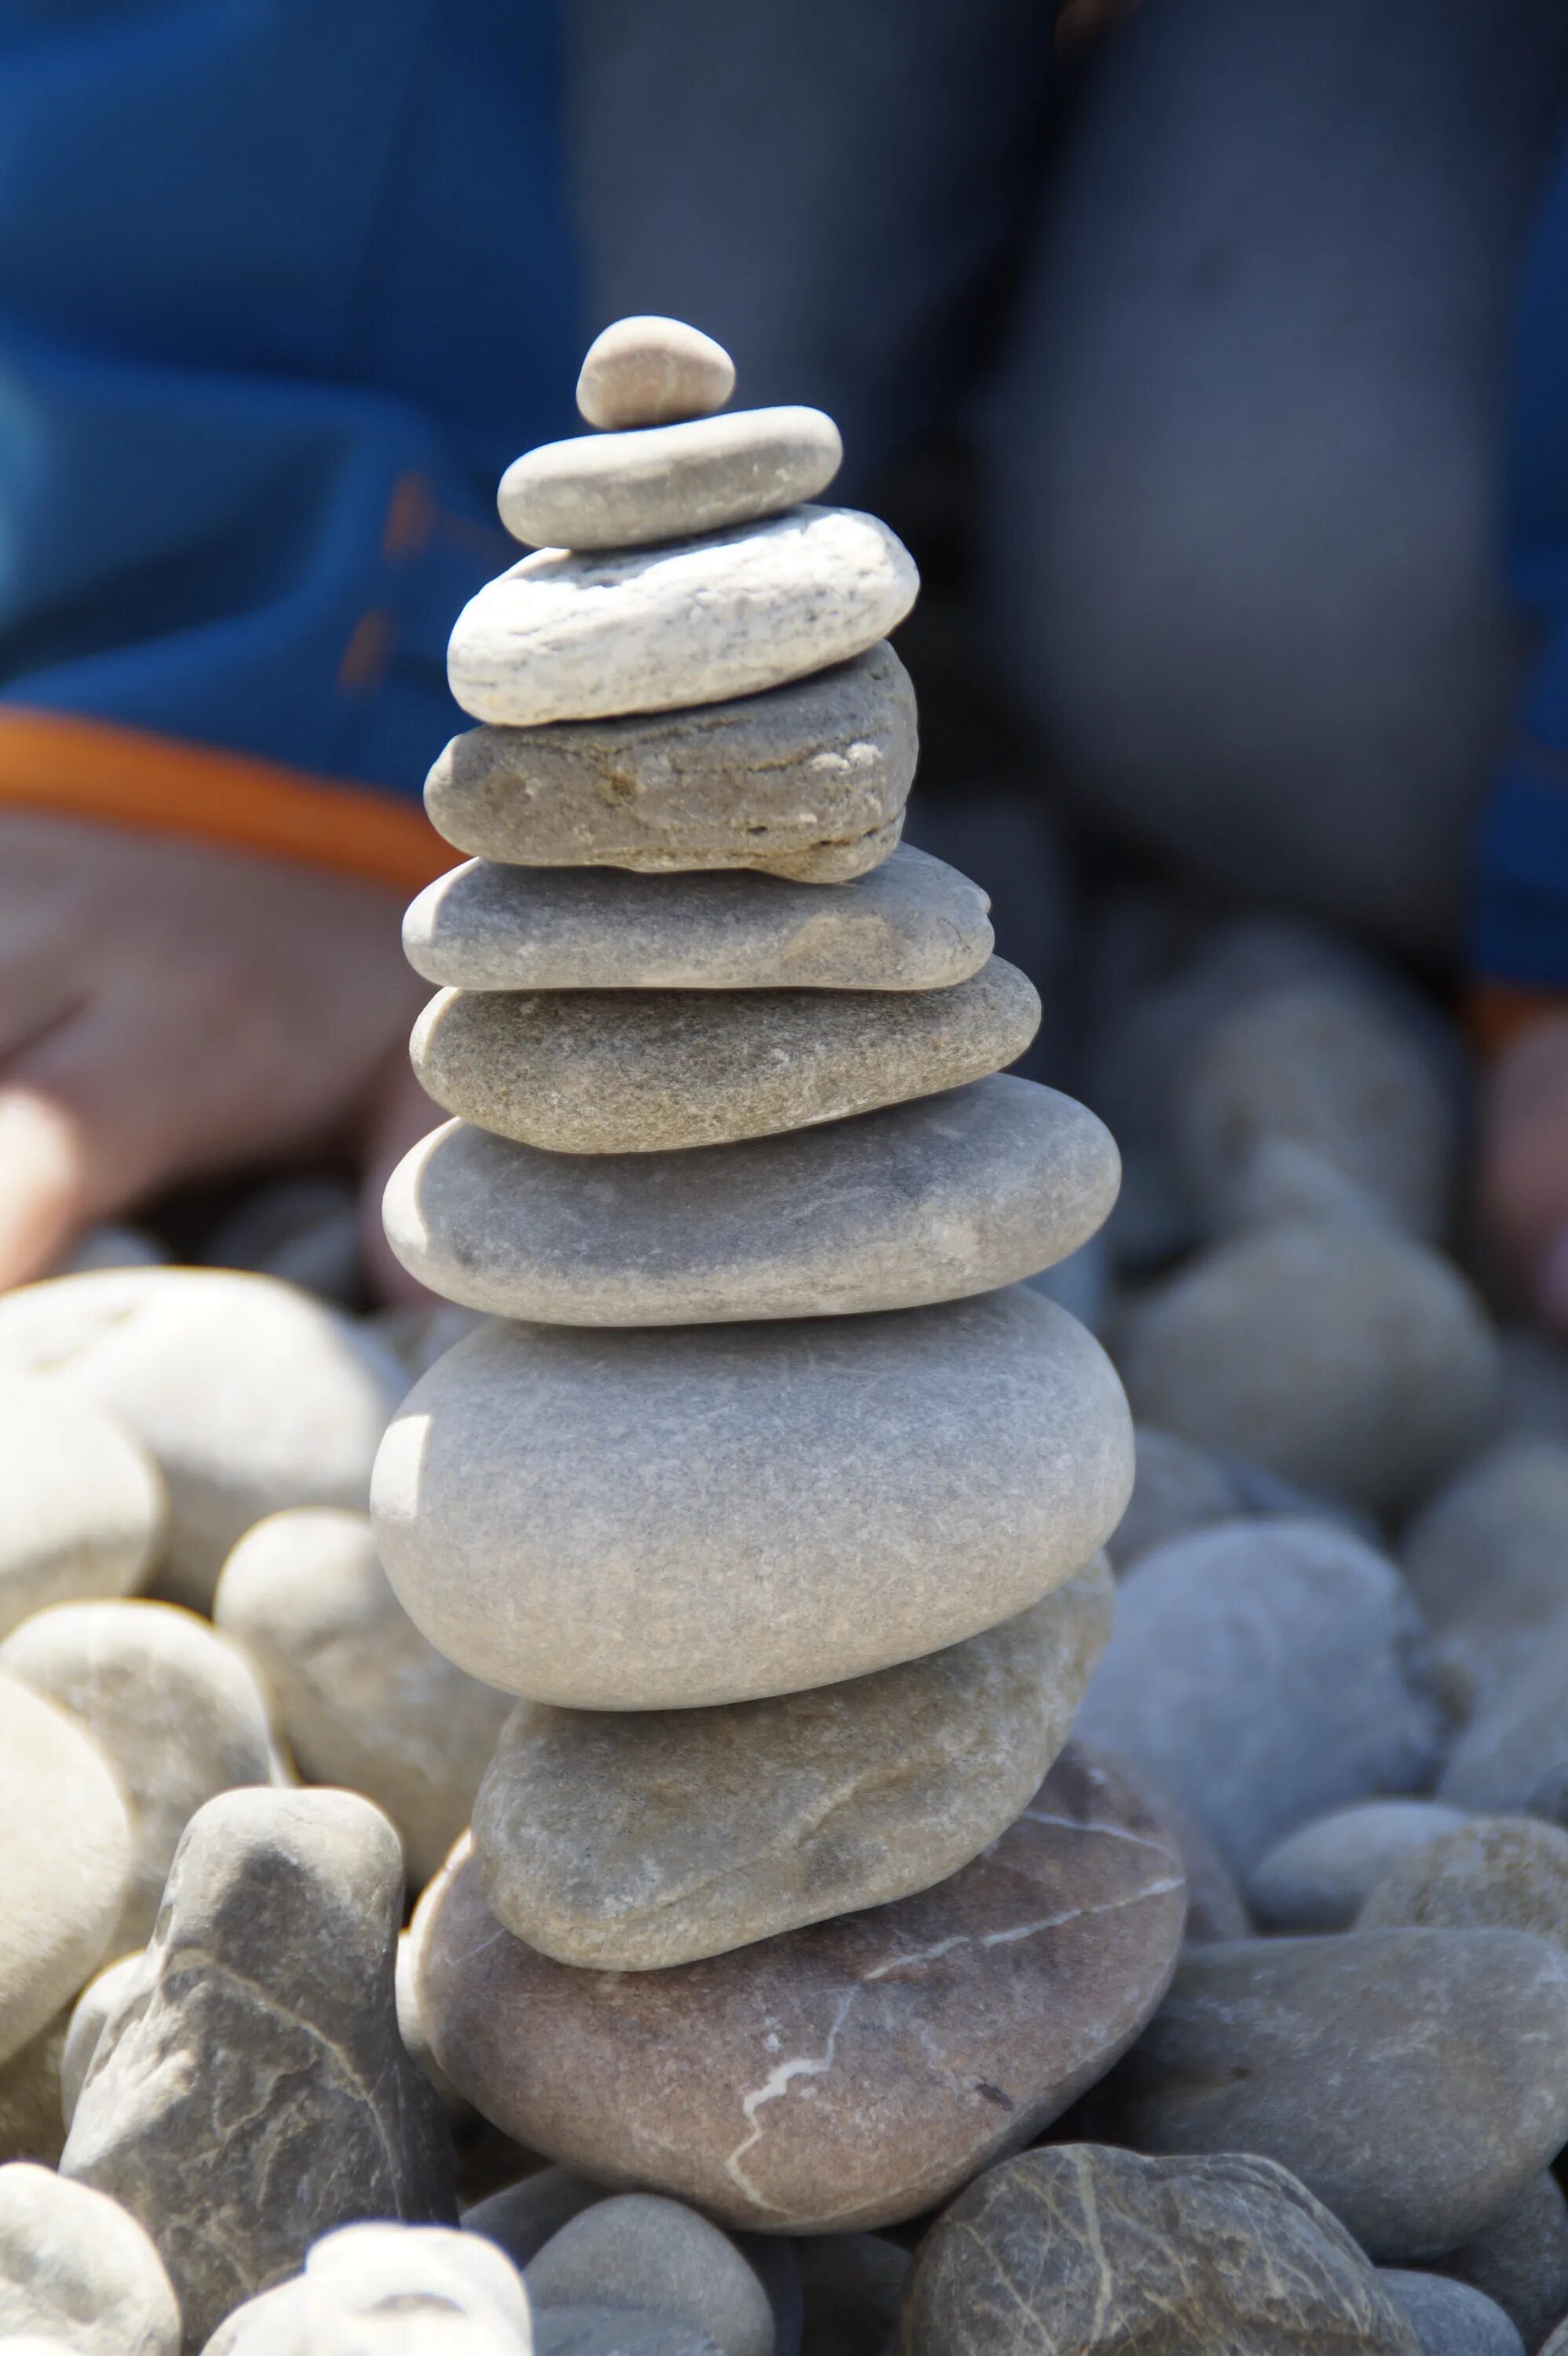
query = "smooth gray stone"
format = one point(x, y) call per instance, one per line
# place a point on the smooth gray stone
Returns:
point(522, 2217)
point(1520, 2260)
point(76, 2267)
point(615, 2331)
point(695, 621)
point(911, 923)
point(1488, 1559)
point(255, 2092)
point(808, 781)
point(85, 1509)
point(1319, 1877)
point(649, 370)
point(867, 1490)
point(928, 1201)
point(668, 482)
point(1449, 2318)
point(1265, 1671)
point(1512, 1758)
point(640, 2250)
point(1415, 2081)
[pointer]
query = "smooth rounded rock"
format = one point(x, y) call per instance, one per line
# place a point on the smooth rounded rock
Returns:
point(1511, 1760)
point(579, 1071)
point(642, 2251)
point(1507, 1873)
point(843, 2075)
point(668, 482)
point(647, 370)
point(1520, 2260)
point(1084, 2251)
point(866, 1490)
point(944, 1196)
point(637, 1839)
point(696, 621)
point(1319, 1877)
point(913, 923)
point(1177, 1488)
point(615, 2331)
point(177, 1712)
point(363, 1699)
point(807, 782)
point(105, 1996)
point(363, 2267)
point(1415, 2081)
point(250, 1396)
point(65, 1860)
point(1340, 1354)
point(1449, 2318)
point(75, 2267)
point(83, 1509)
point(1488, 1559)
point(522, 2217)
point(1264, 1671)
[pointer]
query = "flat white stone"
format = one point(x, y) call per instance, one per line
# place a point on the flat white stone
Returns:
point(580, 637)
point(668, 482)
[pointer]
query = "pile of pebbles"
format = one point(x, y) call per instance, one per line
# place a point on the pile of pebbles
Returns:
point(714, 1794)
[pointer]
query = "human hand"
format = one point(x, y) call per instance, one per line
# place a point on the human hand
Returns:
point(168, 1007)
point(1524, 1161)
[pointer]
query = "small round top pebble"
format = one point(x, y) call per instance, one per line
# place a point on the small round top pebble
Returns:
point(652, 371)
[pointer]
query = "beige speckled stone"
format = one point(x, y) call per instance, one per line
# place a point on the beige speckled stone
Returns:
point(639, 1840)
point(850, 2074)
point(927, 1201)
point(657, 1520)
point(808, 781)
point(911, 923)
point(592, 1071)
point(65, 1860)
point(1507, 1873)
point(81, 1503)
point(668, 482)
point(582, 637)
point(647, 370)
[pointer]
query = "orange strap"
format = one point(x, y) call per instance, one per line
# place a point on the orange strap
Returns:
point(1499, 1011)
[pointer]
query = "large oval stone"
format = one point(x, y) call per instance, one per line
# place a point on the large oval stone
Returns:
point(704, 1513)
point(913, 923)
point(928, 1201)
point(634, 1840)
point(640, 1071)
point(847, 2074)
point(668, 482)
point(578, 638)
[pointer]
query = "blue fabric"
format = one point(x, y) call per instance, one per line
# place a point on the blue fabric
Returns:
point(262, 263)
point(1520, 930)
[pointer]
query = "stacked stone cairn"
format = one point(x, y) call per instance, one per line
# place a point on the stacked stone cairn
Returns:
point(770, 1487)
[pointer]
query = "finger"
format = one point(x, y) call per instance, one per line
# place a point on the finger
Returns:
point(43, 1200)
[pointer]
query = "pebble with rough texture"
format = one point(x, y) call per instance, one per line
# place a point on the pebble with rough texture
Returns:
point(643, 2252)
point(650, 370)
point(81, 1503)
point(1450, 2318)
point(1520, 2260)
point(255, 2093)
point(1319, 1877)
point(947, 1195)
point(866, 1491)
point(76, 2267)
point(807, 782)
point(1488, 1559)
point(363, 1699)
point(668, 482)
point(848, 2074)
point(633, 1840)
point(581, 1071)
point(1509, 1873)
point(696, 621)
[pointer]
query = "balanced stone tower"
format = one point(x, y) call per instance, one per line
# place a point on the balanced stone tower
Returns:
point(771, 1489)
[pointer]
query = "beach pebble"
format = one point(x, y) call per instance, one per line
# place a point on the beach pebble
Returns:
point(615, 2331)
point(305, 1231)
point(584, 1071)
point(643, 2252)
point(1507, 1873)
point(65, 1860)
point(1520, 2260)
point(844, 2075)
point(256, 2094)
point(81, 1502)
point(32, 2115)
point(522, 2217)
point(363, 1699)
point(391, 2274)
point(1416, 2080)
point(1084, 2251)
point(649, 370)
point(177, 1712)
point(103, 1997)
point(75, 2268)
point(928, 1201)
point(1317, 1877)
point(1449, 2318)
point(695, 621)
point(1511, 1760)
point(668, 482)
point(635, 1839)
point(1177, 1488)
point(1488, 1559)
point(250, 1396)
point(1264, 1671)
point(807, 782)
point(1340, 1354)
point(868, 1490)
point(852, 2288)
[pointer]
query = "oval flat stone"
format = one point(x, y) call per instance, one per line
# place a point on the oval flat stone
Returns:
point(808, 781)
point(82, 1508)
point(706, 1513)
point(645, 369)
point(950, 1194)
point(913, 923)
point(847, 2074)
point(578, 638)
point(595, 1071)
point(668, 482)
point(636, 1840)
